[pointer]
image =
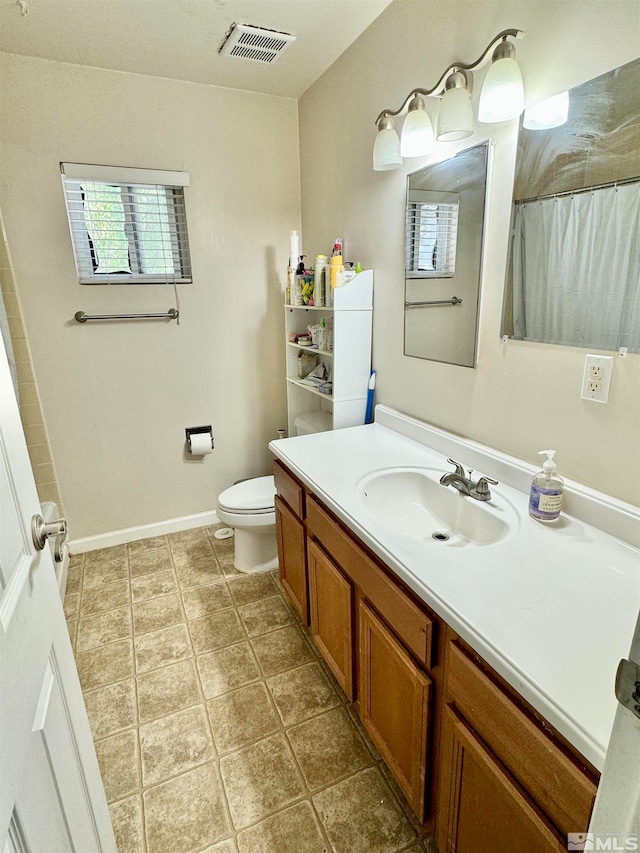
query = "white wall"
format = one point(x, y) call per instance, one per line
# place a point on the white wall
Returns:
point(118, 396)
point(522, 397)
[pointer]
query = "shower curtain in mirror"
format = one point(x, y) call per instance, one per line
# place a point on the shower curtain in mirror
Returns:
point(576, 269)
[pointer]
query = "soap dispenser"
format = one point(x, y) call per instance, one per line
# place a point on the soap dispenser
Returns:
point(545, 498)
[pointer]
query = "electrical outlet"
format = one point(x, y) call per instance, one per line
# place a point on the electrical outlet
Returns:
point(597, 377)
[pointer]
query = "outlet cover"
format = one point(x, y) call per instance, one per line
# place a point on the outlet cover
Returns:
point(597, 377)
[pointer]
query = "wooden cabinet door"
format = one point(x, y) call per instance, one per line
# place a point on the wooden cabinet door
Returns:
point(292, 558)
point(394, 706)
point(331, 600)
point(481, 808)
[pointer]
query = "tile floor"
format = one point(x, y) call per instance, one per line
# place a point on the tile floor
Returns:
point(217, 726)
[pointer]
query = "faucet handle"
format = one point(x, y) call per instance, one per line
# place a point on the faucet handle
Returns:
point(482, 487)
point(457, 466)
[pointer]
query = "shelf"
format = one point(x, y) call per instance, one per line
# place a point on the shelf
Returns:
point(312, 349)
point(310, 389)
point(310, 307)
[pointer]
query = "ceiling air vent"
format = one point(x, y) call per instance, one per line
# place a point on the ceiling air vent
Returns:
point(255, 43)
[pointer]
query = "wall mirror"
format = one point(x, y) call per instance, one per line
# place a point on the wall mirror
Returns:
point(573, 274)
point(444, 226)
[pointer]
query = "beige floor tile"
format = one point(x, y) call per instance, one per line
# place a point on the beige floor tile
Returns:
point(185, 537)
point(97, 574)
point(156, 613)
point(159, 648)
point(173, 744)
point(151, 586)
point(118, 760)
point(241, 717)
point(267, 614)
point(71, 605)
point(128, 825)
point(216, 630)
point(281, 650)
point(228, 846)
point(72, 627)
point(226, 669)
point(199, 572)
point(302, 693)
point(147, 562)
point(361, 815)
point(112, 708)
point(328, 748)
point(247, 588)
point(223, 547)
point(188, 553)
point(260, 780)
point(74, 579)
point(187, 813)
point(166, 690)
point(293, 830)
point(76, 561)
point(102, 628)
point(105, 664)
point(225, 561)
point(103, 555)
point(206, 599)
point(149, 544)
point(109, 596)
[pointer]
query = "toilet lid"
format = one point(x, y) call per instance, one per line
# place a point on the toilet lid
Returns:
point(256, 495)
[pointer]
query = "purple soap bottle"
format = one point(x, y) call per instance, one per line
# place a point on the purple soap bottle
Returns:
point(545, 498)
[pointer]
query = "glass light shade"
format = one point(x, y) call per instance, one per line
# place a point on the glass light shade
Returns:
point(547, 114)
point(455, 116)
point(386, 150)
point(502, 96)
point(417, 134)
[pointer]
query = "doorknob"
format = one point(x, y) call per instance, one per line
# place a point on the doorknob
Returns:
point(42, 530)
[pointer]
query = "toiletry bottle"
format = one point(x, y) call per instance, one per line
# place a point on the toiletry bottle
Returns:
point(318, 280)
point(545, 498)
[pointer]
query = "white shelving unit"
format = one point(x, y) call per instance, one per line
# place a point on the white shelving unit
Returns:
point(349, 361)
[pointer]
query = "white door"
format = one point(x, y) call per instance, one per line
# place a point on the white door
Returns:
point(51, 794)
point(616, 814)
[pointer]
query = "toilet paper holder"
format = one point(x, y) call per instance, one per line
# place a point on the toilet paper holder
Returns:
point(198, 430)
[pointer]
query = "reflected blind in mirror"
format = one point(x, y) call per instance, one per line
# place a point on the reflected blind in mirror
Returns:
point(431, 234)
point(127, 225)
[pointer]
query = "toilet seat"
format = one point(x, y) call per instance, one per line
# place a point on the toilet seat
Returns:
point(250, 497)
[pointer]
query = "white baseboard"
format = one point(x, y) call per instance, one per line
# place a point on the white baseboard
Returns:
point(145, 531)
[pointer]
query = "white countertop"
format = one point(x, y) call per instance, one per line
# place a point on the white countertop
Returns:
point(551, 608)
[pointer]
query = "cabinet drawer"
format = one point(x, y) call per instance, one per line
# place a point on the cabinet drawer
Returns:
point(289, 489)
point(409, 622)
point(564, 791)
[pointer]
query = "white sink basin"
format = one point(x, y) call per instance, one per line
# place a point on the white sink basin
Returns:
point(411, 502)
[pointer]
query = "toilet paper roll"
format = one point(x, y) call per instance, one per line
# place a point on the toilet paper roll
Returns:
point(200, 443)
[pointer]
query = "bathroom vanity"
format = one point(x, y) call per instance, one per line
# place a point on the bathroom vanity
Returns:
point(482, 663)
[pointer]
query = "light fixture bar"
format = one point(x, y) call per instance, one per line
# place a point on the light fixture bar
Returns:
point(439, 88)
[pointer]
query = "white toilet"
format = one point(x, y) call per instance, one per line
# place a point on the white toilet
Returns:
point(249, 507)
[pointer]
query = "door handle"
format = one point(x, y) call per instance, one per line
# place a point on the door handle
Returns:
point(42, 530)
point(628, 685)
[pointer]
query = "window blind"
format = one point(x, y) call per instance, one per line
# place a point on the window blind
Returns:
point(132, 230)
point(431, 234)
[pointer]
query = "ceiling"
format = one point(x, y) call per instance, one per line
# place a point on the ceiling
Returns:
point(179, 39)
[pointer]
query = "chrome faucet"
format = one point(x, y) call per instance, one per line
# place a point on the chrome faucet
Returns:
point(479, 491)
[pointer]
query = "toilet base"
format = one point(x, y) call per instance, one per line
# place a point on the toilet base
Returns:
point(255, 551)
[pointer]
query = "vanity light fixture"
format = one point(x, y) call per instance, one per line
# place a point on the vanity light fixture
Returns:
point(552, 112)
point(501, 99)
point(386, 151)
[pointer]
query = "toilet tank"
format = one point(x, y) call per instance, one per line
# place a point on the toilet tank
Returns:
point(312, 422)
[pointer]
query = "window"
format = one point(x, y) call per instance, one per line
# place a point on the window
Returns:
point(127, 225)
point(431, 234)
